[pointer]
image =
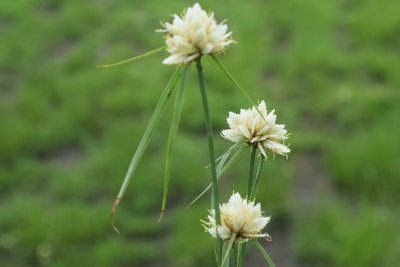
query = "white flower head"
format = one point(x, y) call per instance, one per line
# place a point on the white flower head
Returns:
point(258, 128)
point(240, 217)
point(193, 34)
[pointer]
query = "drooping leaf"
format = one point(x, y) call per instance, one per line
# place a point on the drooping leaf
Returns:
point(151, 127)
point(176, 115)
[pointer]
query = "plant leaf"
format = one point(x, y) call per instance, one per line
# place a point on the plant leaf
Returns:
point(155, 51)
point(228, 151)
point(221, 160)
point(264, 253)
point(152, 125)
point(176, 115)
point(232, 160)
point(222, 168)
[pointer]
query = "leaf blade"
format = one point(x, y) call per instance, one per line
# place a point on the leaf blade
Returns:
point(264, 253)
point(150, 129)
point(220, 170)
point(155, 51)
point(176, 114)
point(236, 83)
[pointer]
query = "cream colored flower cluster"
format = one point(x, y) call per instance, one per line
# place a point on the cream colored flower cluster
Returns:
point(238, 216)
point(257, 127)
point(193, 34)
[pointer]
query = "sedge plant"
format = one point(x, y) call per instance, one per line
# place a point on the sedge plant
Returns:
point(189, 38)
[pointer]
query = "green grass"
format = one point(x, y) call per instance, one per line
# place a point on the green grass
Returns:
point(68, 131)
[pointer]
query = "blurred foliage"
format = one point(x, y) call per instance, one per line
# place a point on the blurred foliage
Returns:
point(68, 131)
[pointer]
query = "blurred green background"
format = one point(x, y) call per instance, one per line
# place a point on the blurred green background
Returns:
point(331, 69)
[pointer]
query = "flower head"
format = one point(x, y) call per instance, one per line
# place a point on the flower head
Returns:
point(239, 217)
point(257, 127)
point(193, 34)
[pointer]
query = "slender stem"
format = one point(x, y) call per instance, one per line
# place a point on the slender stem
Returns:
point(258, 178)
point(249, 190)
point(251, 170)
point(233, 255)
point(228, 248)
point(242, 255)
point(238, 249)
point(215, 193)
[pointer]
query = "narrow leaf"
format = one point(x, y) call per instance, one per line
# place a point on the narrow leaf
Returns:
point(155, 51)
point(222, 159)
point(228, 151)
point(221, 169)
point(176, 115)
point(264, 253)
point(232, 160)
point(151, 127)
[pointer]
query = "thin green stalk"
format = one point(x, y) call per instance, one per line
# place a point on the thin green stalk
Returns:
point(249, 189)
point(251, 170)
point(210, 145)
point(258, 178)
point(216, 243)
point(229, 244)
point(155, 51)
point(242, 255)
point(237, 254)
point(151, 127)
point(173, 130)
point(233, 255)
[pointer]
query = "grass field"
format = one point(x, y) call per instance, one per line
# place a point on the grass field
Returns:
point(331, 70)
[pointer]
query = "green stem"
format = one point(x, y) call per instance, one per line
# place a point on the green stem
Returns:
point(214, 181)
point(257, 180)
point(242, 255)
point(251, 170)
point(228, 248)
point(237, 254)
point(233, 255)
point(249, 190)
